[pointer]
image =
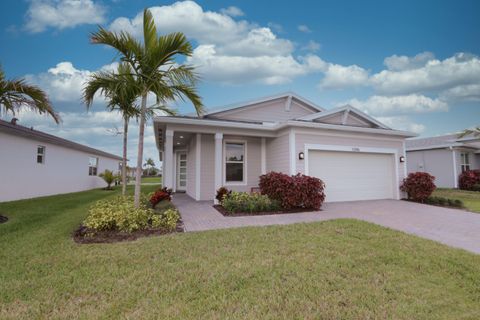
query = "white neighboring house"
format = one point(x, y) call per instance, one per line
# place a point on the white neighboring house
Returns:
point(444, 157)
point(356, 156)
point(34, 164)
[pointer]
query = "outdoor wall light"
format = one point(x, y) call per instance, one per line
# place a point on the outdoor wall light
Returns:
point(301, 156)
point(402, 159)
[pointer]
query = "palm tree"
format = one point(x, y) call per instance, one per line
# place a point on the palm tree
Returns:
point(119, 89)
point(150, 164)
point(155, 70)
point(16, 94)
point(467, 132)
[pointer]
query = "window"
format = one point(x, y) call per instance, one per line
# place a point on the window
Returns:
point(464, 161)
point(234, 162)
point(40, 154)
point(92, 166)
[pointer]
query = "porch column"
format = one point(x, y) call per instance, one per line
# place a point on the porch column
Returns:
point(168, 158)
point(218, 163)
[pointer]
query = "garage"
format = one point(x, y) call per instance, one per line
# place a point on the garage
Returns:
point(350, 176)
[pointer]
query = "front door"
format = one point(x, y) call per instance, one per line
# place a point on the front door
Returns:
point(181, 171)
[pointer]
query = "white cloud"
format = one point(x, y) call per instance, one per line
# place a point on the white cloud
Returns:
point(469, 92)
point(232, 11)
point(304, 28)
point(435, 75)
point(399, 63)
point(312, 46)
point(384, 105)
point(61, 14)
point(338, 76)
point(402, 123)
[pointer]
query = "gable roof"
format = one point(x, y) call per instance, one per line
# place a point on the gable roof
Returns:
point(345, 110)
point(286, 95)
point(30, 133)
point(440, 142)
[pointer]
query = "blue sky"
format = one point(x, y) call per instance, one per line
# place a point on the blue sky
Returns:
point(413, 64)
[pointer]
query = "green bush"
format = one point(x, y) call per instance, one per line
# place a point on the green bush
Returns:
point(120, 214)
point(441, 201)
point(249, 202)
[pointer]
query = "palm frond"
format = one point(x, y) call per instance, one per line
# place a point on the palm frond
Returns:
point(467, 132)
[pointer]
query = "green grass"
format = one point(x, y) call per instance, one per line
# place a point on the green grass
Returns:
point(471, 199)
point(152, 180)
point(329, 270)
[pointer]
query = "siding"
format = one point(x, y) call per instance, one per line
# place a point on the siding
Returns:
point(278, 153)
point(65, 170)
point(438, 162)
point(267, 111)
point(207, 165)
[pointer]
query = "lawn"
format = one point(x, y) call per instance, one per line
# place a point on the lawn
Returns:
point(471, 199)
point(152, 180)
point(337, 269)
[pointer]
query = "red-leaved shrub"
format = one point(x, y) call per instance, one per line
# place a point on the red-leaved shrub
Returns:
point(299, 191)
point(468, 179)
point(418, 186)
point(160, 195)
point(221, 192)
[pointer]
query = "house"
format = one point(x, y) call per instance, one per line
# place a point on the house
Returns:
point(357, 157)
point(444, 157)
point(35, 164)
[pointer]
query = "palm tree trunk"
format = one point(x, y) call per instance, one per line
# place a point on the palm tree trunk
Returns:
point(138, 175)
point(124, 160)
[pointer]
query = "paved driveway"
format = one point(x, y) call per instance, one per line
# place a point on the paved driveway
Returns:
point(453, 227)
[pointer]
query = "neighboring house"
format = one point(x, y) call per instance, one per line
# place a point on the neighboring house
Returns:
point(35, 164)
point(445, 157)
point(356, 156)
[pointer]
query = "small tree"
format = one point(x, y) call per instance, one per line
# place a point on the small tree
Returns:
point(149, 164)
point(109, 177)
point(418, 186)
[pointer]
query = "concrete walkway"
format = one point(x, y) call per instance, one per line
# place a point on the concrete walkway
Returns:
point(453, 227)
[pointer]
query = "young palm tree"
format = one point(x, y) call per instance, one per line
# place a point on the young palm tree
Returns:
point(150, 164)
point(16, 94)
point(155, 70)
point(474, 132)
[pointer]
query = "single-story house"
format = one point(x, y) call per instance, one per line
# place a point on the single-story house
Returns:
point(444, 157)
point(357, 157)
point(34, 164)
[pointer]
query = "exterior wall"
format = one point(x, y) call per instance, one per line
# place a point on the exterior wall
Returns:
point(269, 111)
point(437, 162)
point(207, 165)
point(65, 170)
point(191, 159)
point(278, 153)
point(303, 137)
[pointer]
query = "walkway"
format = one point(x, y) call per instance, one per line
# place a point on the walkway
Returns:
point(453, 227)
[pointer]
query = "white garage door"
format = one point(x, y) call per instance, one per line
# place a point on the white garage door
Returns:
point(353, 176)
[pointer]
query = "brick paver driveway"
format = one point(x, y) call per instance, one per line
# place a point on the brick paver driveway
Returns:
point(453, 227)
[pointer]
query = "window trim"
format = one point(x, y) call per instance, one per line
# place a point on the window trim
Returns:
point(96, 167)
point(465, 165)
point(245, 163)
point(43, 154)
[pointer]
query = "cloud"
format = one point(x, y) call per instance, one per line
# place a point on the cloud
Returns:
point(435, 75)
point(303, 28)
point(402, 123)
point(384, 105)
point(470, 92)
point(338, 77)
point(232, 11)
point(400, 63)
point(62, 14)
point(311, 46)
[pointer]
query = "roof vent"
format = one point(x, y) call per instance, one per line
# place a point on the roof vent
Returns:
point(14, 121)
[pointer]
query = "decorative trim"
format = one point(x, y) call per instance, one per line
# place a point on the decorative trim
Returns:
point(356, 149)
point(292, 150)
point(345, 116)
point(264, 155)
point(455, 171)
point(288, 103)
point(218, 164)
point(198, 159)
point(245, 166)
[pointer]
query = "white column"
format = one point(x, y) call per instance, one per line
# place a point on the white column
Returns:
point(198, 165)
point(168, 158)
point(264, 155)
point(218, 162)
point(293, 155)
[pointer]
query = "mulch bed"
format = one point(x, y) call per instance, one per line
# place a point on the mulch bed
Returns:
point(3, 219)
point(84, 235)
point(225, 213)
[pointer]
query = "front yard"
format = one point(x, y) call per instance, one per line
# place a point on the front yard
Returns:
point(471, 199)
point(337, 269)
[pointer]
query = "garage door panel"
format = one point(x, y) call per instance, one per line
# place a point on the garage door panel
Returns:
point(353, 176)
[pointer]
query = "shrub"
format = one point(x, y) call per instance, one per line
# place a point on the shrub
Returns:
point(118, 213)
point(160, 195)
point(468, 179)
point(441, 201)
point(221, 193)
point(249, 202)
point(109, 177)
point(167, 220)
point(418, 186)
point(299, 191)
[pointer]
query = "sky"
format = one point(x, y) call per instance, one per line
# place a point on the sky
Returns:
point(414, 65)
